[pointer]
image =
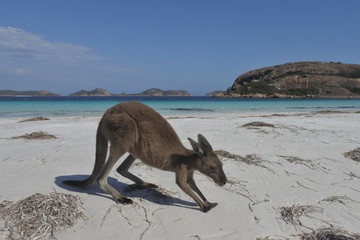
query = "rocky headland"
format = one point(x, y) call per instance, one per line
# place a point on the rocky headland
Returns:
point(299, 79)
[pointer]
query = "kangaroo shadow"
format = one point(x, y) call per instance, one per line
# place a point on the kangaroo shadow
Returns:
point(158, 196)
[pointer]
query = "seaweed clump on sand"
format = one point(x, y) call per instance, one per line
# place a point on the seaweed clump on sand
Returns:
point(40, 216)
point(330, 234)
point(36, 136)
point(257, 124)
point(292, 214)
point(251, 159)
point(354, 155)
point(35, 119)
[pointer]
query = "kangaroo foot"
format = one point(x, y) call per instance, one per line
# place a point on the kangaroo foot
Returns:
point(124, 201)
point(137, 186)
point(208, 206)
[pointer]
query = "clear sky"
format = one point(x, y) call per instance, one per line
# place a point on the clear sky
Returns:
point(195, 45)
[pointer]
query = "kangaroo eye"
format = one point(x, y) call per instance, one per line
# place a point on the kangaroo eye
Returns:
point(212, 168)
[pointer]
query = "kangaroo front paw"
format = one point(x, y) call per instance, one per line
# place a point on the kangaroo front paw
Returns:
point(124, 201)
point(207, 206)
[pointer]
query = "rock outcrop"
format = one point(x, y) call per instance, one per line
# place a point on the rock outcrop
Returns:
point(299, 79)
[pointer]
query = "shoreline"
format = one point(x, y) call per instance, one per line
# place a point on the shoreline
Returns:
point(298, 161)
point(96, 106)
point(193, 115)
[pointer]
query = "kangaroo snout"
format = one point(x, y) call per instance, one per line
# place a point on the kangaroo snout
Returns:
point(223, 181)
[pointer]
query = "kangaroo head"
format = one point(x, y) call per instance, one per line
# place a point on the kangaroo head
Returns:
point(209, 164)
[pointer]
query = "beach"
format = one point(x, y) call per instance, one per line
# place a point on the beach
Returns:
point(277, 163)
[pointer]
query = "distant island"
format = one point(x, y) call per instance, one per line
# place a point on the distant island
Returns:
point(96, 92)
point(27, 93)
point(299, 79)
point(159, 92)
point(149, 92)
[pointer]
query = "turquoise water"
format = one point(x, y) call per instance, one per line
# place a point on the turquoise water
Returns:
point(96, 106)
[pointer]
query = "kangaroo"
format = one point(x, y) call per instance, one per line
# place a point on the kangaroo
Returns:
point(134, 128)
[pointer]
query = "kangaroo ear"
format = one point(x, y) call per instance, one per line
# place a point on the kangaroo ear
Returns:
point(196, 146)
point(204, 143)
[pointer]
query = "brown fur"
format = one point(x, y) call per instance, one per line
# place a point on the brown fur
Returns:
point(134, 128)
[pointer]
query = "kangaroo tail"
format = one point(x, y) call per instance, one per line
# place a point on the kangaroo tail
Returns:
point(101, 151)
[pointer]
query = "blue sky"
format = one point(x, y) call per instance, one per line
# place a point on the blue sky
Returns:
point(198, 45)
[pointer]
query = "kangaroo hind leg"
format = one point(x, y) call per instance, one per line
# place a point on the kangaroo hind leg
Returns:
point(123, 169)
point(103, 177)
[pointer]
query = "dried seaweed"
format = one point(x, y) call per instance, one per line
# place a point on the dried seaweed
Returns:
point(339, 199)
point(354, 155)
point(273, 237)
point(327, 112)
point(40, 216)
point(250, 159)
point(330, 234)
point(292, 214)
point(36, 136)
point(225, 154)
point(253, 159)
point(258, 124)
point(297, 160)
point(351, 174)
point(35, 119)
point(302, 185)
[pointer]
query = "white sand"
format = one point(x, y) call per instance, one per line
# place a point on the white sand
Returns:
point(248, 206)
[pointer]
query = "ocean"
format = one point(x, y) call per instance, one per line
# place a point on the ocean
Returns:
point(12, 107)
